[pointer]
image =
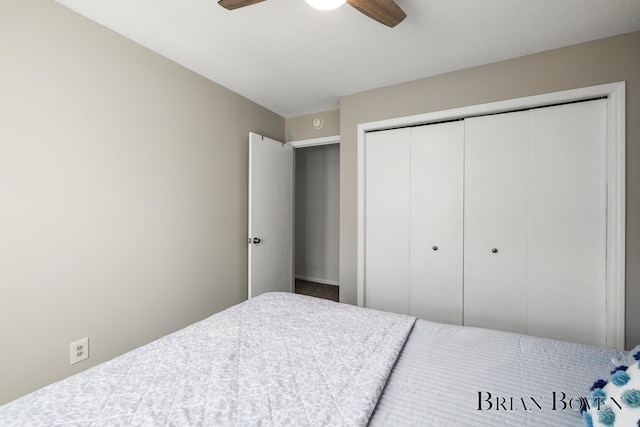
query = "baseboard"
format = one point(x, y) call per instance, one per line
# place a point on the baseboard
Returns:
point(316, 280)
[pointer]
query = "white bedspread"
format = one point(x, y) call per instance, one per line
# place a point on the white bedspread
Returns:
point(461, 376)
point(277, 359)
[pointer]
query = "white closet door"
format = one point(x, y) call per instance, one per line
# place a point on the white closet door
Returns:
point(437, 178)
point(495, 221)
point(567, 239)
point(387, 220)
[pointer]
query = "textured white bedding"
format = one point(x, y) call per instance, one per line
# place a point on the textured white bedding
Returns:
point(443, 368)
point(277, 359)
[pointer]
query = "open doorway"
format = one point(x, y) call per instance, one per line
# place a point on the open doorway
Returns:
point(317, 211)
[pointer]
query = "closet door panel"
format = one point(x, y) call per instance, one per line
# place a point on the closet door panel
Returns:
point(495, 221)
point(387, 220)
point(567, 234)
point(437, 178)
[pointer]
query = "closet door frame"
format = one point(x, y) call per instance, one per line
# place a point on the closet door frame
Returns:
point(616, 173)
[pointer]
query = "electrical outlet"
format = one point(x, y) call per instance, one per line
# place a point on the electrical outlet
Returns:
point(79, 350)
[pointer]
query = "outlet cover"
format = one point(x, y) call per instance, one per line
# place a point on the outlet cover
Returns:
point(79, 350)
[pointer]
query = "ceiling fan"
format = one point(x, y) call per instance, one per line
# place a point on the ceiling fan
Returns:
point(386, 12)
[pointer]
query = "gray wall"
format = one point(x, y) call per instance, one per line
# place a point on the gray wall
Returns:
point(317, 213)
point(593, 63)
point(301, 127)
point(123, 193)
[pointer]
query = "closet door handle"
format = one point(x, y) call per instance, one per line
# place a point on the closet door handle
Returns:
point(494, 250)
point(435, 248)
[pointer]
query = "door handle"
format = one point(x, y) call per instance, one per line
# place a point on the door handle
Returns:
point(256, 240)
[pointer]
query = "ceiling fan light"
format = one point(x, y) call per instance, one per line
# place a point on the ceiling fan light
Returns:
point(325, 4)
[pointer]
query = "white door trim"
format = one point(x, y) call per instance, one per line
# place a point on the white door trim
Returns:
point(335, 139)
point(616, 177)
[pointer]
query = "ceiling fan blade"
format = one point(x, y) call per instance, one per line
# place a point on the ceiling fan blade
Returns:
point(386, 12)
point(234, 4)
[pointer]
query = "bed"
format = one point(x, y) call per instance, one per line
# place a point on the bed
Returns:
point(287, 359)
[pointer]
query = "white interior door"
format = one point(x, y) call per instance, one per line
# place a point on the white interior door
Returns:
point(495, 221)
point(270, 216)
point(387, 209)
point(567, 222)
point(437, 178)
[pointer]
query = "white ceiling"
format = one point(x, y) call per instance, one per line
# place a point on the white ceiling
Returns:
point(295, 60)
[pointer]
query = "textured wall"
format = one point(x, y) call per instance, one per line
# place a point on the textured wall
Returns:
point(301, 127)
point(123, 193)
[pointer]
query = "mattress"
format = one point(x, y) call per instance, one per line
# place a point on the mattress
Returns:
point(277, 359)
point(285, 359)
point(455, 376)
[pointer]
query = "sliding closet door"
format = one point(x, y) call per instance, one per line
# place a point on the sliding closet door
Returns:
point(495, 221)
point(387, 220)
point(567, 239)
point(437, 178)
